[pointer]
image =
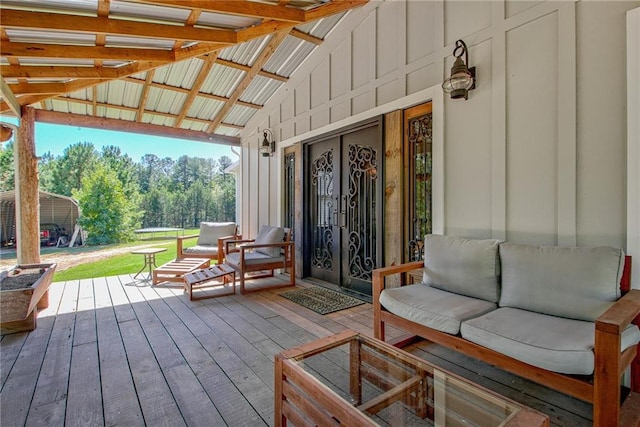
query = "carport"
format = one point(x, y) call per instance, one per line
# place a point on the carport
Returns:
point(54, 208)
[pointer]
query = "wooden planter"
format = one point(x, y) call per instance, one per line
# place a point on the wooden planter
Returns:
point(19, 307)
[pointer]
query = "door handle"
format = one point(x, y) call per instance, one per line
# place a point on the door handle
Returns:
point(343, 211)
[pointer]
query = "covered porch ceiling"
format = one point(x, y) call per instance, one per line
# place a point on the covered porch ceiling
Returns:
point(189, 69)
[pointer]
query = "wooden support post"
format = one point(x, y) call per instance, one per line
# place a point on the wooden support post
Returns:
point(27, 197)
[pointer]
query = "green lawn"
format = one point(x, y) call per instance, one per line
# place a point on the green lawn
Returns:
point(124, 263)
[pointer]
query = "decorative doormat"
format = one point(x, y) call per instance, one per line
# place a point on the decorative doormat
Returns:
point(321, 300)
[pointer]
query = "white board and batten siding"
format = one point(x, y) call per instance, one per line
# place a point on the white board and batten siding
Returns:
point(538, 154)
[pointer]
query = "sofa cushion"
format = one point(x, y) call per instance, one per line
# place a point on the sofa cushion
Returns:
point(549, 342)
point(206, 250)
point(573, 282)
point(463, 266)
point(251, 258)
point(210, 232)
point(434, 308)
point(269, 235)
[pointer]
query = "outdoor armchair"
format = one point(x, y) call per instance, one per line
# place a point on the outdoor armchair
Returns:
point(210, 242)
point(271, 249)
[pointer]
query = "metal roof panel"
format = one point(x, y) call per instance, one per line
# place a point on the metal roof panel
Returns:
point(147, 12)
point(239, 115)
point(218, 20)
point(260, 90)
point(288, 57)
point(245, 53)
point(222, 80)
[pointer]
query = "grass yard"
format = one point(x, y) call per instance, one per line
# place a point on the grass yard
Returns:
point(124, 263)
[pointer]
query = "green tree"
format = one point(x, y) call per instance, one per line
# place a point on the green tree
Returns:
point(76, 162)
point(107, 215)
point(7, 169)
point(46, 166)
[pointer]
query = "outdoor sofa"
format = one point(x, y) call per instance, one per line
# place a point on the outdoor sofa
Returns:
point(554, 315)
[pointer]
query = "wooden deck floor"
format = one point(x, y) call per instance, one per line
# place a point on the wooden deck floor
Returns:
point(114, 351)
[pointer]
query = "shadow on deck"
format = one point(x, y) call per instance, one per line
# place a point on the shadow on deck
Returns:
point(116, 351)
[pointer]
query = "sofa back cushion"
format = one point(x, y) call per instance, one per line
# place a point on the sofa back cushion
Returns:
point(573, 282)
point(462, 266)
point(267, 235)
point(210, 232)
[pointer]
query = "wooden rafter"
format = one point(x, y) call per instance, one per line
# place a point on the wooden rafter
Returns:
point(101, 25)
point(131, 127)
point(144, 95)
point(239, 7)
point(33, 82)
point(195, 88)
point(10, 98)
point(262, 59)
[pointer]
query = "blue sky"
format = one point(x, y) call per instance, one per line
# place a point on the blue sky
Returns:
point(55, 138)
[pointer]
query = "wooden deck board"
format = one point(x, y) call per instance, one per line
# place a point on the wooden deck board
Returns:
point(116, 351)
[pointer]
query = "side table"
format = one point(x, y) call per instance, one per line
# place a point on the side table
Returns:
point(149, 258)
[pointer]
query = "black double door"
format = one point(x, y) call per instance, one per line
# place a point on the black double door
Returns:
point(344, 195)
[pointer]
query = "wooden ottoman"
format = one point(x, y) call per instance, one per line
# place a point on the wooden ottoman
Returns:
point(174, 271)
point(216, 275)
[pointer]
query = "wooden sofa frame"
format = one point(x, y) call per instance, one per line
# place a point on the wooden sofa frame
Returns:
point(602, 389)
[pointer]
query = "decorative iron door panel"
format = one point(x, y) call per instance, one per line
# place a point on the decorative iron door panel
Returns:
point(345, 208)
point(361, 209)
point(324, 189)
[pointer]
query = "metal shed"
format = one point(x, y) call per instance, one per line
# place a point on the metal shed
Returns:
point(54, 208)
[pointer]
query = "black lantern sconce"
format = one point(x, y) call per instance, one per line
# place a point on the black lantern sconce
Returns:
point(463, 79)
point(268, 146)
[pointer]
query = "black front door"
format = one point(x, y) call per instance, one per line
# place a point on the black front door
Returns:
point(345, 208)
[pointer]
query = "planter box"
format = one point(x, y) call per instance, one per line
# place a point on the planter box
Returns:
point(24, 290)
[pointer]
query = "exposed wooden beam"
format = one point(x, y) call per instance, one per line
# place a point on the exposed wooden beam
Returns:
point(238, 7)
point(101, 38)
point(41, 50)
point(243, 67)
point(183, 90)
point(306, 37)
point(144, 95)
point(195, 88)
point(262, 59)
point(192, 19)
point(9, 98)
point(267, 27)
point(332, 8)
point(51, 72)
point(135, 110)
point(37, 88)
point(94, 100)
point(132, 127)
point(102, 25)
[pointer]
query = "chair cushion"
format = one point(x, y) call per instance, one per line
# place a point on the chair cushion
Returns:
point(549, 342)
point(573, 282)
point(210, 232)
point(251, 258)
point(433, 307)
point(202, 250)
point(463, 266)
point(269, 235)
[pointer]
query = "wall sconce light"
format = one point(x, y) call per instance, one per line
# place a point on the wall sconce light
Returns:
point(268, 146)
point(463, 79)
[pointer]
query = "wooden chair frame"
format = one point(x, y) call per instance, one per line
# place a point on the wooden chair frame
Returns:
point(246, 245)
point(221, 246)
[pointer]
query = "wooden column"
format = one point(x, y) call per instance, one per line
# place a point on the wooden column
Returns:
point(27, 198)
point(393, 193)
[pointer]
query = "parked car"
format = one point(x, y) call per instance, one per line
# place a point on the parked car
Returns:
point(50, 233)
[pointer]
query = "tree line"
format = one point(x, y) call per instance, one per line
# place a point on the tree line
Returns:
point(117, 195)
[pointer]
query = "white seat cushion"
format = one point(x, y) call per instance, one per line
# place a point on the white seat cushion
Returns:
point(251, 258)
point(201, 250)
point(433, 307)
point(552, 343)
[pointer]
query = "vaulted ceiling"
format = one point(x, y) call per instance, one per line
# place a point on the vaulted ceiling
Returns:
point(192, 69)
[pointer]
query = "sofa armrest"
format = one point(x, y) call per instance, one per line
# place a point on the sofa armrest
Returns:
point(610, 363)
point(380, 273)
point(378, 286)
